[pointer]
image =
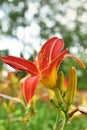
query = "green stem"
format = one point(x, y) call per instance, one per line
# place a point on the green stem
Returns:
point(57, 121)
point(61, 121)
point(62, 114)
point(64, 119)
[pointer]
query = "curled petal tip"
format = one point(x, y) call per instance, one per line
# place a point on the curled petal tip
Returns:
point(77, 59)
point(84, 66)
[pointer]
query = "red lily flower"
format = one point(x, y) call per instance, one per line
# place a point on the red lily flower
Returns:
point(44, 69)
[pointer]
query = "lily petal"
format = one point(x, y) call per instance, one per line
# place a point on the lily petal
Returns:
point(20, 64)
point(29, 87)
point(77, 59)
point(51, 70)
point(57, 48)
point(55, 63)
point(50, 51)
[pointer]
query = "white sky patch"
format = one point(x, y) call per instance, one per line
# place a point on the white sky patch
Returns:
point(74, 50)
point(33, 29)
point(32, 10)
point(13, 46)
point(85, 5)
point(28, 32)
point(29, 35)
point(83, 18)
point(20, 32)
point(74, 3)
point(1, 14)
point(71, 15)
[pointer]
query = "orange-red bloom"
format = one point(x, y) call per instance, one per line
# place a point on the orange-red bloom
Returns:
point(44, 69)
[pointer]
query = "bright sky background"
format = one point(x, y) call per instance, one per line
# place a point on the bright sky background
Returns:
point(29, 33)
point(12, 45)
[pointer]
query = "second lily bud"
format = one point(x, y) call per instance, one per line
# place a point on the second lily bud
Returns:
point(71, 88)
point(60, 81)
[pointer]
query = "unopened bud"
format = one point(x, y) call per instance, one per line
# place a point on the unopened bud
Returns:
point(70, 94)
point(60, 81)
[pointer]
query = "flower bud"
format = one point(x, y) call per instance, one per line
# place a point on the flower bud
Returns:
point(70, 94)
point(60, 81)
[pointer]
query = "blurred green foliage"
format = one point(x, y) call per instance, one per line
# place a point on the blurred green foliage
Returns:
point(43, 118)
point(40, 114)
point(3, 53)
